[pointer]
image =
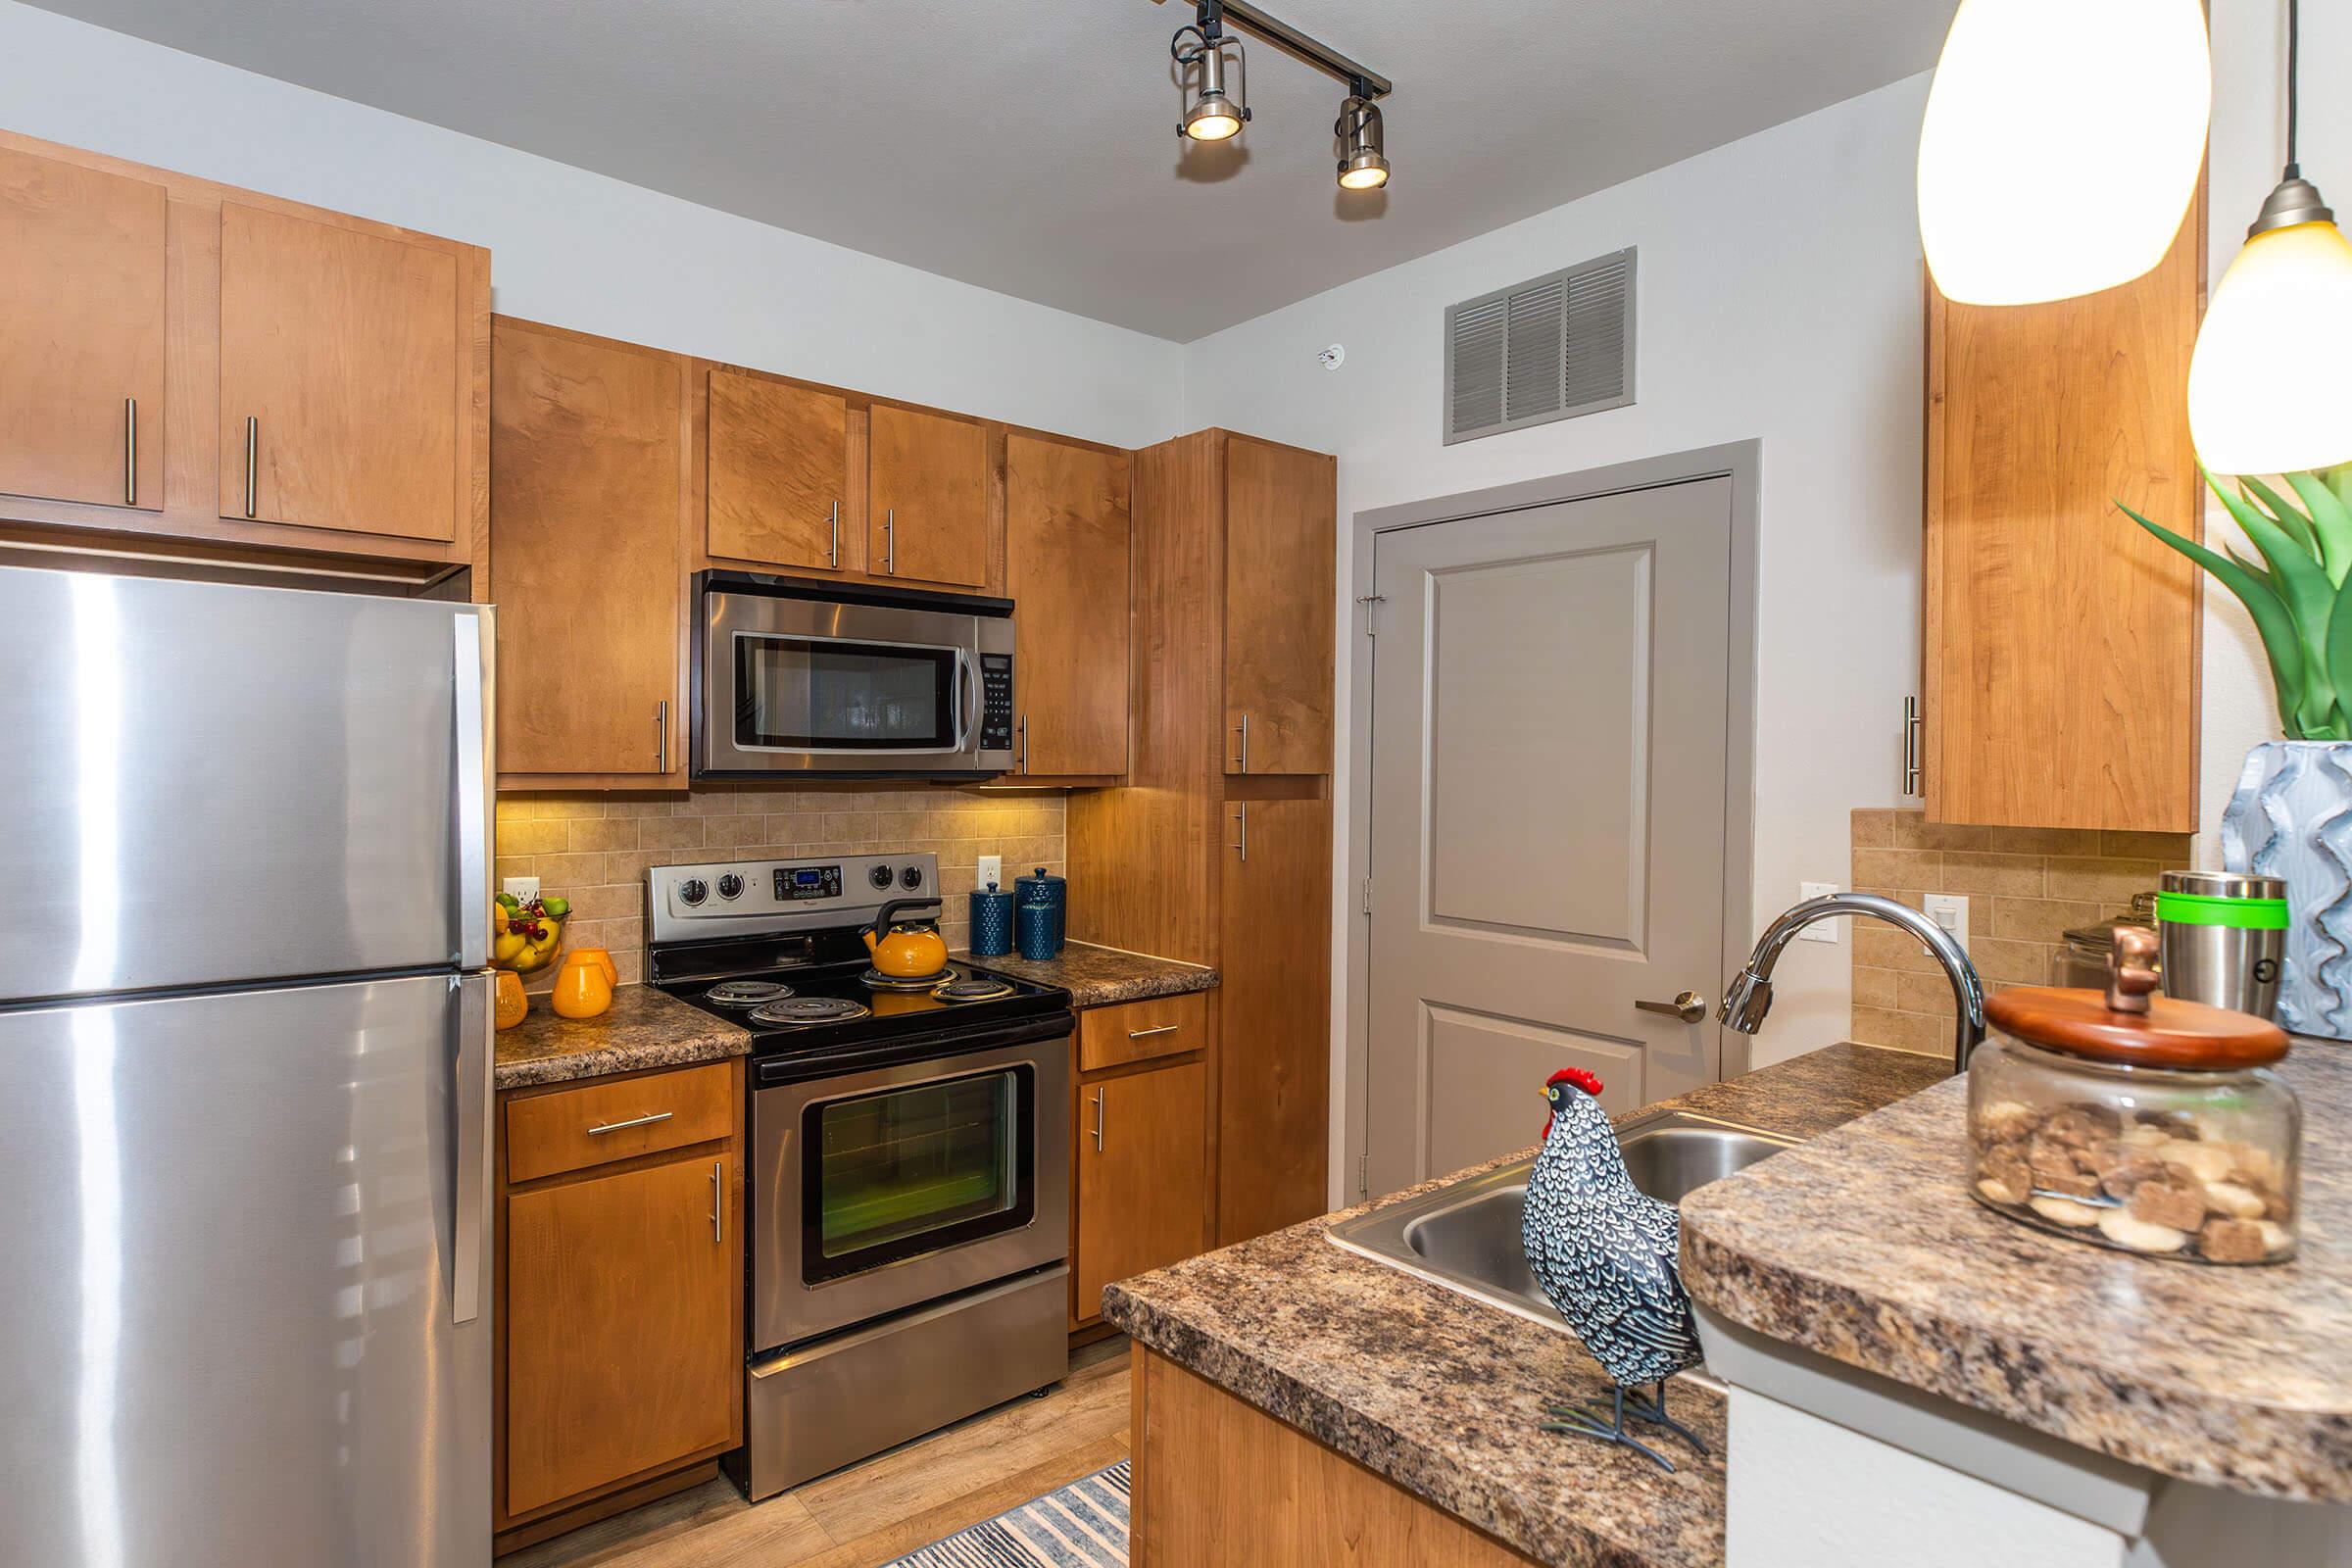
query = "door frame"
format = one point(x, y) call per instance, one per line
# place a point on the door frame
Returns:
point(1739, 462)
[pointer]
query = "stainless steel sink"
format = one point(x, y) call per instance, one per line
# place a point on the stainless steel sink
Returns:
point(1465, 1236)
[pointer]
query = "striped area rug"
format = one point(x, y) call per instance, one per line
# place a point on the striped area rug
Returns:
point(1084, 1525)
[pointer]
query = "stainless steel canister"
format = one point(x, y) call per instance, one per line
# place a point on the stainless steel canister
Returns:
point(2223, 935)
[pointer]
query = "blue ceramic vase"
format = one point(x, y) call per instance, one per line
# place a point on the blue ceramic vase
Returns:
point(2291, 817)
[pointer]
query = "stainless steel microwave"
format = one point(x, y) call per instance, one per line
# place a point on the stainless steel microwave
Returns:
point(793, 675)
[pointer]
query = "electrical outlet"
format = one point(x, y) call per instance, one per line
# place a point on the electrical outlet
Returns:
point(992, 871)
point(1819, 930)
point(522, 889)
point(1950, 912)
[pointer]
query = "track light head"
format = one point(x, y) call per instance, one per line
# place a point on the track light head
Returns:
point(1211, 115)
point(1363, 152)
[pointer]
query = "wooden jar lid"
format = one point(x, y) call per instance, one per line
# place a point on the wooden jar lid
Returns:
point(2171, 1034)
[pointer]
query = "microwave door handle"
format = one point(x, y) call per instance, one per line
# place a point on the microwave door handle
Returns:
point(966, 690)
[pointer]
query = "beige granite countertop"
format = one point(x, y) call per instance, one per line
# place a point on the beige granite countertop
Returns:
point(1444, 1395)
point(1097, 977)
point(643, 1028)
point(1865, 1246)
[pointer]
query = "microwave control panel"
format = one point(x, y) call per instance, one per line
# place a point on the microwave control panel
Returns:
point(996, 702)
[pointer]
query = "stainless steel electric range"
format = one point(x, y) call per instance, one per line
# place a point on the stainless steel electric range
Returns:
point(908, 1179)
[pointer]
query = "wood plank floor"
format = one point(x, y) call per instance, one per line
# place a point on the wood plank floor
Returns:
point(885, 1507)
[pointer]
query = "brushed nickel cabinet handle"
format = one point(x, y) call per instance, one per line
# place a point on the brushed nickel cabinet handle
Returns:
point(131, 452)
point(1145, 1034)
point(718, 1201)
point(833, 551)
point(1241, 763)
point(1101, 1107)
point(890, 542)
point(1911, 739)
point(253, 464)
point(1688, 1006)
point(661, 731)
point(1241, 843)
point(1024, 743)
point(604, 1127)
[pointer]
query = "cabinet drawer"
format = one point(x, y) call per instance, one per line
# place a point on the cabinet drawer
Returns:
point(1137, 1031)
point(575, 1128)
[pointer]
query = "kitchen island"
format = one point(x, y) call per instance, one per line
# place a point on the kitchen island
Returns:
point(1329, 1371)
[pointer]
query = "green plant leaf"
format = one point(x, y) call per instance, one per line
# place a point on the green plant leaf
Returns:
point(2339, 480)
point(2310, 597)
point(2251, 569)
point(2339, 657)
point(2329, 515)
point(2272, 620)
point(2286, 515)
point(2336, 556)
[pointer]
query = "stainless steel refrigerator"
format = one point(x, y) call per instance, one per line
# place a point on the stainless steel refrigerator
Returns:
point(245, 1035)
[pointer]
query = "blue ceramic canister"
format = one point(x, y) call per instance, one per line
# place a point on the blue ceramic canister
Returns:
point(992, 923)
point(1038, 940)
point(1052, 891)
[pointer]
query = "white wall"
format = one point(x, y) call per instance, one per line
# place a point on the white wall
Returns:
point(586, 252)
point(1779, 298)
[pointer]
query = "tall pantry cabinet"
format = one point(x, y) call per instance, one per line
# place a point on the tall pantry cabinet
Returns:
point(1218, 848)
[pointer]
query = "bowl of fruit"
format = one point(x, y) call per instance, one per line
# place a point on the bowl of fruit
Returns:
point(525, 933)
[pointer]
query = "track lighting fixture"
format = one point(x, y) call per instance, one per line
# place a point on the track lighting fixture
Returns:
point(1363, 155)
point(1213, 113)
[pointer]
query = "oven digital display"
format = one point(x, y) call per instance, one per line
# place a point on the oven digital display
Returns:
point(797, 882)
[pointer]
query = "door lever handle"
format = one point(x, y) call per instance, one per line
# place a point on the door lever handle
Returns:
point(1688, 1006)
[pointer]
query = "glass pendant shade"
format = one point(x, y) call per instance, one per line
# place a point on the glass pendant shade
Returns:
point(2267, 390)
point(2062, 145)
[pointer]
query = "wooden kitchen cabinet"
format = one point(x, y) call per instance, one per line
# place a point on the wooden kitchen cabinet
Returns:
point(589, 489)
point(341, 403)
point(620, 1313)
point(83, 332)
point(2061, 644)
point(928, 489)
point(1141, 1192)
point(1281, 532)
point(1274, 1067)
point(251, 380)
point(779, 475)
point(1066, 537)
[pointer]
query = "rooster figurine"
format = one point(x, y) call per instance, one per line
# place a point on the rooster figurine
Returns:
point(1605, 1254)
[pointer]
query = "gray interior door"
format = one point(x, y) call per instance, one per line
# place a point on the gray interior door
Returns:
point(1550, 695)
point(248, 1253)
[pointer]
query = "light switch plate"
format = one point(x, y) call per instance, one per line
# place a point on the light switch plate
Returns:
point(1950, 912)
point(1819, 930)
point(992, 871)
point(522, 889)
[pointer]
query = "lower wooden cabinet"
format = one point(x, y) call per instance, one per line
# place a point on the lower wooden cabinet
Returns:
point(1141, 1199)
point(621, 1311)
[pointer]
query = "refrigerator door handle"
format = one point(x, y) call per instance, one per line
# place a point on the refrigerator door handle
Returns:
point(474, 786)
point(470, 1183)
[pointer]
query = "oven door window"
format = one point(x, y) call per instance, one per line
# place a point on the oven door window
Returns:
point(908, 1171)
point(825, 693)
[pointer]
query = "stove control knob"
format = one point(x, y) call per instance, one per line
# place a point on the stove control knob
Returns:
point(730, 886)
point(880, 876)
point(693, 891)
point(911, 879)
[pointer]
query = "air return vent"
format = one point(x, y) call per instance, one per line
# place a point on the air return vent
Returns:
point(1552, 347)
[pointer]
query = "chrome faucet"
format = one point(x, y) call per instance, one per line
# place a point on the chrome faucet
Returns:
point(1749, 997)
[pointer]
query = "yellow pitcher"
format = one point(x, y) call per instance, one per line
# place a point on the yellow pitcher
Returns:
point(584, 985)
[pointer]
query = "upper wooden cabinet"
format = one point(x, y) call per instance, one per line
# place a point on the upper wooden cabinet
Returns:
point(81, 333)
point(1066, 537)
point(588, 492)
point(340, 398)
point(2061, 641)
point(1280, 533)
point(928, 507)
point(191, 361)
point(779, 475)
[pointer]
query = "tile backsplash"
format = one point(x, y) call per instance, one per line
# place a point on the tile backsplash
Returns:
point(593, 848)
point(2025, 888)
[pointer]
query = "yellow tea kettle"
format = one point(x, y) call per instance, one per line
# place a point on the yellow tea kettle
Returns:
point(910, 948)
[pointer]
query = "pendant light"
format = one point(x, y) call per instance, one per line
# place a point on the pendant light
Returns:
point(1363, 151)
point(2062, 144)
point(2268, 392)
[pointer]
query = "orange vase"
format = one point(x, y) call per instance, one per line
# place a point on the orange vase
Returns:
point(584, 985)
point(512, 1002)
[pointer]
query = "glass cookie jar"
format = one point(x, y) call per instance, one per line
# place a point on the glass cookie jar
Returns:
point(2159, 1132)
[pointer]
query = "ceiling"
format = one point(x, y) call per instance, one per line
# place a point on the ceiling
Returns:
point(1032, 149)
